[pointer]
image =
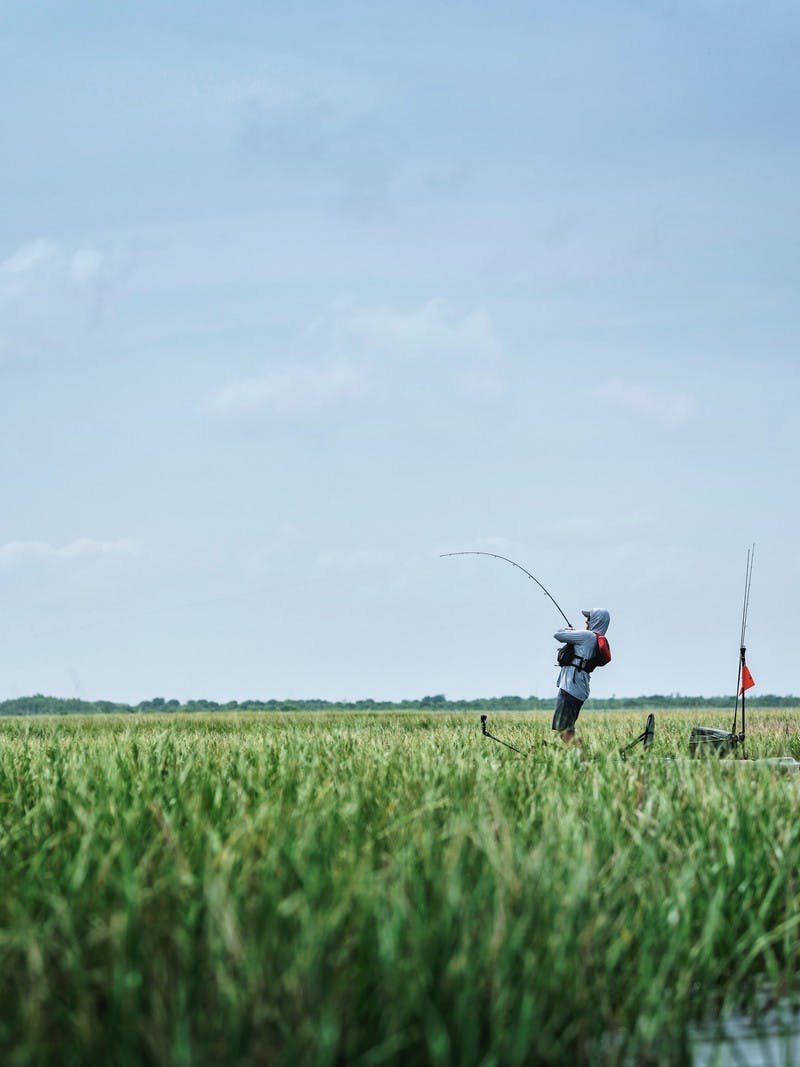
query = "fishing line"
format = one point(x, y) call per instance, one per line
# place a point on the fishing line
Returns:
point(494, 555)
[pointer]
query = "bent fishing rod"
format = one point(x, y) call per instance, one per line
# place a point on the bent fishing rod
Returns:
point(494, 555)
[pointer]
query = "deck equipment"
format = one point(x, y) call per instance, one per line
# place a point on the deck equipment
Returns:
point(707, 740)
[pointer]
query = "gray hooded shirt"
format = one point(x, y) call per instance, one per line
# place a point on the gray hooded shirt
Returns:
point(574, 680)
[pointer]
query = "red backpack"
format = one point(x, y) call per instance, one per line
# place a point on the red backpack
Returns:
point(599, 658)
point(601, 655)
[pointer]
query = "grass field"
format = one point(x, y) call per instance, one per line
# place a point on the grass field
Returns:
point(385, 889)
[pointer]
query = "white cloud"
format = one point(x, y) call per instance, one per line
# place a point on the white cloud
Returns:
point(288, 390)
point(363, 348)
point(484, 382)
point(434, 330)
point(28, 258)
point(85, 264)
point(462, 345)
point(50, 295)
point(294, 89)
point(322, 128)
point(669, 409)
point(26, 553)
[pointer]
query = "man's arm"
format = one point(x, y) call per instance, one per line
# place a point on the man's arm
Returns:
point(569, 637)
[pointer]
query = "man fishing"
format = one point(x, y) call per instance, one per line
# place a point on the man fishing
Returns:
point(583, 652)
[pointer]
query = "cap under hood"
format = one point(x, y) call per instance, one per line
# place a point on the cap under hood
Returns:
point(598, 620)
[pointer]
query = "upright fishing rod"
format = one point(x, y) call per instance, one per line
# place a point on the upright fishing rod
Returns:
point(494, 555)
point(740, 687)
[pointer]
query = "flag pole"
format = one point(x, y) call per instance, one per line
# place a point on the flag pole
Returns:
point(742, 667)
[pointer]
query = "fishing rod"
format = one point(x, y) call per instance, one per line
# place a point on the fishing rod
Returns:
point(486, 733)
point(721, 742)
point(494, 555)
point(740, 687)
point(645, 739)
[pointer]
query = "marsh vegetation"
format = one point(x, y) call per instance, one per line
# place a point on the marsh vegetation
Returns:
point(384, 888)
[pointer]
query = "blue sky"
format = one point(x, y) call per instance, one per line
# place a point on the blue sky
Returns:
point(294, 298)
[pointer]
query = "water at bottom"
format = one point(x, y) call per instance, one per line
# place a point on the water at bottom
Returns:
point(770, 1040)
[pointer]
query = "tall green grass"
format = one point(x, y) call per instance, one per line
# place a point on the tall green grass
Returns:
point(383, 889)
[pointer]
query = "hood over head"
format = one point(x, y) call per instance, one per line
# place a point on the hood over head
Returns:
point(598, 620)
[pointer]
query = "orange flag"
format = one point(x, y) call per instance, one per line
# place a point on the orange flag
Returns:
point(747, 679)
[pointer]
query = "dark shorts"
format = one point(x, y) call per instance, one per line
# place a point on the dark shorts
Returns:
point(568, 708)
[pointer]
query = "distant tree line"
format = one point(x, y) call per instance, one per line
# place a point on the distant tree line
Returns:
point(46, 705)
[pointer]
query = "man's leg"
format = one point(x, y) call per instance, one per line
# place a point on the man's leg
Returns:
point(569, 738)
point(565, 716)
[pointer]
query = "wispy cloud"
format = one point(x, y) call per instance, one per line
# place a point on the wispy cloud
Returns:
point(85, 264)
point(333, 130)
point(27, 259)
point(288, 390)
point(358, 348)
point(86, 549)
point(49, 294)
point(320, 128)
point(42, 263)
point(660, 405)
point(460, 344)
point(433, 330)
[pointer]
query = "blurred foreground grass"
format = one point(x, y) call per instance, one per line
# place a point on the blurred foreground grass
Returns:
point(386, 888)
